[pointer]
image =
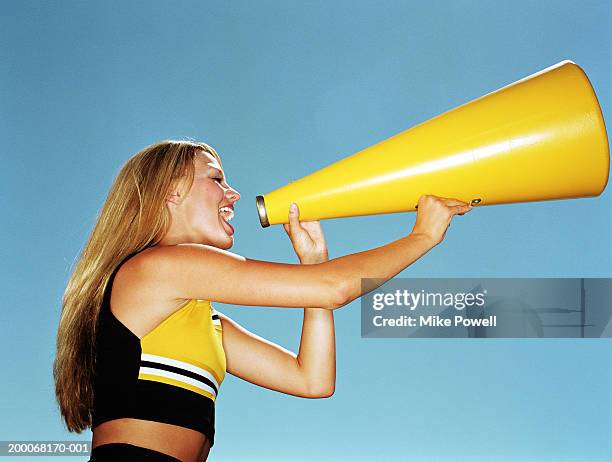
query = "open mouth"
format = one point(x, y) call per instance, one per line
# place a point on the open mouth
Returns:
point(226, 214)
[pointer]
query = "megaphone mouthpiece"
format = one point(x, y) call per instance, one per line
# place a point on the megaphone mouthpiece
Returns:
point(261, 211)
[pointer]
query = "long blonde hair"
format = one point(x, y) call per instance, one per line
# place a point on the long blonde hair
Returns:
point(134, 216)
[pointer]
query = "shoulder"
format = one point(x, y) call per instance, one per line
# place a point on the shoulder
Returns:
point(138, 277)
point(137, 298)
point(161, 266)
point(151, 262)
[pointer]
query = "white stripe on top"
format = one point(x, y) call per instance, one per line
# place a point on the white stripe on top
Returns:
point(179, 364)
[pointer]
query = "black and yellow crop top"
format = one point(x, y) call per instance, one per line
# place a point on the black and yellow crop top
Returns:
point(171, 375)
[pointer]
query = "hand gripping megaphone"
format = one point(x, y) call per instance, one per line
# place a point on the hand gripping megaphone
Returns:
point(540, 138)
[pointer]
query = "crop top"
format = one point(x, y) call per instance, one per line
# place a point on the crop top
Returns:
point(171, 375)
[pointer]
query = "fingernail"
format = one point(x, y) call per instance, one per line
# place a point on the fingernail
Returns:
point(293, 207)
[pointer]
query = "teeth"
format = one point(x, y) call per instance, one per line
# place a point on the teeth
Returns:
point(229, 213)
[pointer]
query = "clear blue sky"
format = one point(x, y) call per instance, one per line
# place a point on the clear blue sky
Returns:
point(281, 89)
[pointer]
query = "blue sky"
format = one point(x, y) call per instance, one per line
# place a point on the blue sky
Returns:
point(281, 89)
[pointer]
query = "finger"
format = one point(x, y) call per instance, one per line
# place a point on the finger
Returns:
point(452, 201)
point(460, 209)
point(286, 226)
point(294, 219)
point(313, 228)
point(315, 236)
point(470, 207)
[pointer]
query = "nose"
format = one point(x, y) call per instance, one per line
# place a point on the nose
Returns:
point(232, 194)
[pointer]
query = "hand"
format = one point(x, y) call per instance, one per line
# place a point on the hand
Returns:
point(434, 215)
point(307, 238)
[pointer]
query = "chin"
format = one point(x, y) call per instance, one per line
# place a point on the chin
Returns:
point(219, 241)
point(226, 243)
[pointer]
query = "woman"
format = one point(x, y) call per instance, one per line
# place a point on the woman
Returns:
point(141, 352)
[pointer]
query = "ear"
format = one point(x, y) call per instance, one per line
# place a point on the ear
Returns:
point(174, 197)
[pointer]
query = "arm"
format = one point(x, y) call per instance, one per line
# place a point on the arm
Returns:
point(383, 263)
point(317, 354)
point(312, 372)
point(206, 272)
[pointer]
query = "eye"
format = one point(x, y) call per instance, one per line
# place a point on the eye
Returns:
point(218, 180)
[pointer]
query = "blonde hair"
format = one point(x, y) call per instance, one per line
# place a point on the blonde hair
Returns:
point(134, 216)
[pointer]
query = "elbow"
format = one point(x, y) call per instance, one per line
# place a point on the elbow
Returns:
point(321, 391)
point(339, 295)
point(333, 287)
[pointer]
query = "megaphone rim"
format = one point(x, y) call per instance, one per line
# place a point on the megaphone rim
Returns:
point(261, 211)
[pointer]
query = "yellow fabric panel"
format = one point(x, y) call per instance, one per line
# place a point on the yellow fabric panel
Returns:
point(189, 335)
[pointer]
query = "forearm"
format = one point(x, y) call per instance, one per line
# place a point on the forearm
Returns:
point(380, 263)
point(317, 354)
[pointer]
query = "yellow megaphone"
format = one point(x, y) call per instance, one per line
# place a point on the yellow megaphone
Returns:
point(540, 138)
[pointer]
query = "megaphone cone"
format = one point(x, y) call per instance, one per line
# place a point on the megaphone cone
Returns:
point(540, 138)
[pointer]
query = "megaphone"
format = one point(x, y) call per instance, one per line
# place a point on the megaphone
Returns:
point(540, 138)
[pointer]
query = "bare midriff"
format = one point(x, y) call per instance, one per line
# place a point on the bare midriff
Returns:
point(185, 444)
